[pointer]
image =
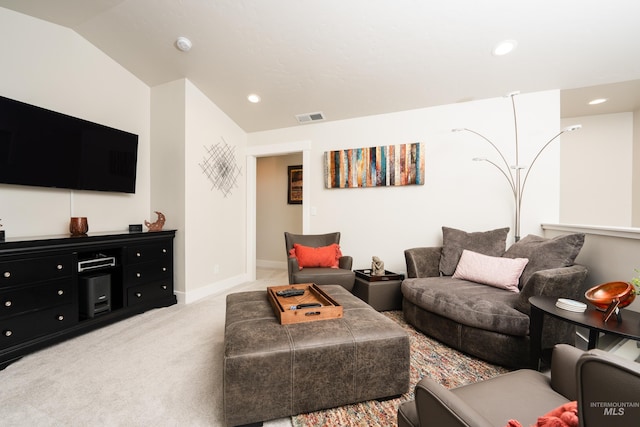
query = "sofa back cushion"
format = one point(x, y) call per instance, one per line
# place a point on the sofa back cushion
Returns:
point(543, 253)
point(492, 243)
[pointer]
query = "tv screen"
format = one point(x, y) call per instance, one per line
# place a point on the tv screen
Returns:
point(40, 147)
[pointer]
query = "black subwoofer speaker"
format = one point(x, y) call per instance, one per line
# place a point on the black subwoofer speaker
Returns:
point(95, 295)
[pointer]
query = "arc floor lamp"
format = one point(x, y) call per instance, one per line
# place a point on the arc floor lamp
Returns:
point(513, 172)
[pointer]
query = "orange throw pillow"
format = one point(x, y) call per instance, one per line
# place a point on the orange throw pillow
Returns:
point(562, 416)
point(323, 256)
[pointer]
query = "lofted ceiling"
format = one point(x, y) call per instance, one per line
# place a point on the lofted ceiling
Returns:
point(351, 58)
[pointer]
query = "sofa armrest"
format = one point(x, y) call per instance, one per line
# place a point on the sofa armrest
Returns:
point(345, 262)
point(423, 262)
point(563, 282)
point(292, 267)
point(563, 370)
point(437, 406)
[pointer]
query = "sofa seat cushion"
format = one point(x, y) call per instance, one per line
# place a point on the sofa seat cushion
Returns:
point(468, 303)
point(496, 399)
point(326, 276)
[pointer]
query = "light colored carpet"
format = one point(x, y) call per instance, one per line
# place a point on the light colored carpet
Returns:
point(160, 368)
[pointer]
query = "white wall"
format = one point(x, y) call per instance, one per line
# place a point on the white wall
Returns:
point(274, 215)
point(597, 168)
point(458, 192)
point(635, 186)
point(52, 67)
point(211, 238)
point(610, 253)
point(215, 233)
point(168, 167)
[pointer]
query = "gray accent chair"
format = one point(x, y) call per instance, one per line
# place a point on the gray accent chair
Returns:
point(342, 276)
point(605, 387)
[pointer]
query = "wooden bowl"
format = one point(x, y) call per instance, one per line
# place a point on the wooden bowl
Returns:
point(602, 295)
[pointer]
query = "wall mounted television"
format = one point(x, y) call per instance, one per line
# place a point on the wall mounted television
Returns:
point(43, 148)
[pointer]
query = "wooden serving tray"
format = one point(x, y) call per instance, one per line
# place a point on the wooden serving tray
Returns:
point(286, 307)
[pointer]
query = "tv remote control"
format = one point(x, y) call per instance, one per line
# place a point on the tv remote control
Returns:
point(290, 293)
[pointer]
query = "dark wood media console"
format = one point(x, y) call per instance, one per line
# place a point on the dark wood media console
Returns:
point(41, 294)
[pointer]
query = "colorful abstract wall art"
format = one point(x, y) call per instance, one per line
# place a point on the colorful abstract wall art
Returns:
point(401, 164)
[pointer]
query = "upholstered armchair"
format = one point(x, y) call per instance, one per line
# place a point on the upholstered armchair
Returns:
point(339, 274)
point(606, 388)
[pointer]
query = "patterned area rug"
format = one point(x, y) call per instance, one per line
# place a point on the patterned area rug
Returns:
point(428, 358)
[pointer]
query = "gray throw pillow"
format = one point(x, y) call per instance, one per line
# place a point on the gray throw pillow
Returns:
point(545, 253)
point(492, 243)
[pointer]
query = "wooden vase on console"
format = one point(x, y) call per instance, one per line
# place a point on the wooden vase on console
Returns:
point(78, 226)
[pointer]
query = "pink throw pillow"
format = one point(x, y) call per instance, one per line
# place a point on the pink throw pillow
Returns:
point(499, 272)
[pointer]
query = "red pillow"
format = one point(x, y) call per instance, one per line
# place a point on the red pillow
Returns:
point(323, 256)
point(563, 416)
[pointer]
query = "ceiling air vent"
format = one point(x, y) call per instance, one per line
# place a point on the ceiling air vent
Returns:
point(309, 117)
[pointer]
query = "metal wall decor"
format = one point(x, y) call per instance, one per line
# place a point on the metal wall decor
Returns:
point(391, 165)
point(219, 165)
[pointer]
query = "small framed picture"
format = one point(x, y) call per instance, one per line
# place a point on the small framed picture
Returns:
point(294, 190)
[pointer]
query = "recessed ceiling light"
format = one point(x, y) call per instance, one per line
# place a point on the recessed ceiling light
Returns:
point(504, 47)
point(598, 101)
point(183, 44)
point(254, 98)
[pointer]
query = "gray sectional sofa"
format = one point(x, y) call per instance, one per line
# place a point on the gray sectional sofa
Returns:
point(485, 321)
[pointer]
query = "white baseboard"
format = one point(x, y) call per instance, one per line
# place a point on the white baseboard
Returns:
point(263, 263)
point(211, 289)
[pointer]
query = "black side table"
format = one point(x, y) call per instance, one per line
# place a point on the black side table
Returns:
point(380, 292)
point(590, 319)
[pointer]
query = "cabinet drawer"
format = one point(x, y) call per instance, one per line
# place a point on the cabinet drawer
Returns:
point(19, 329)
point(147, 272)
point(27, 298)
point(145, 293)
point(150, 252)
point(35, 269)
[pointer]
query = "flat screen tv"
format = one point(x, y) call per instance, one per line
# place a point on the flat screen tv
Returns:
point(43, 148)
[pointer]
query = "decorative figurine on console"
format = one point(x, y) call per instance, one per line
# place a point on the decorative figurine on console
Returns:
point(377, 266)
point(156, 226)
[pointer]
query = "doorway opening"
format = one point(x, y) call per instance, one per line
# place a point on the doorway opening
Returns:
point(253, 153)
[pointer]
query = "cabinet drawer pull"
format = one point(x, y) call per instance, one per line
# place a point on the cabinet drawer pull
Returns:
point(7, 274)
point(7, 333)
point(138, 294)
point(59, 266)
point(164, 269)
point(138, 254)
point(7, 303)
point(60, 317)
point(164, 287)
point(138, 275)
point(60, 292)
point(164, 251)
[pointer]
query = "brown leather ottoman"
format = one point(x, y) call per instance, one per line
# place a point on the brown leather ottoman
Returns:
point(273, 371)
